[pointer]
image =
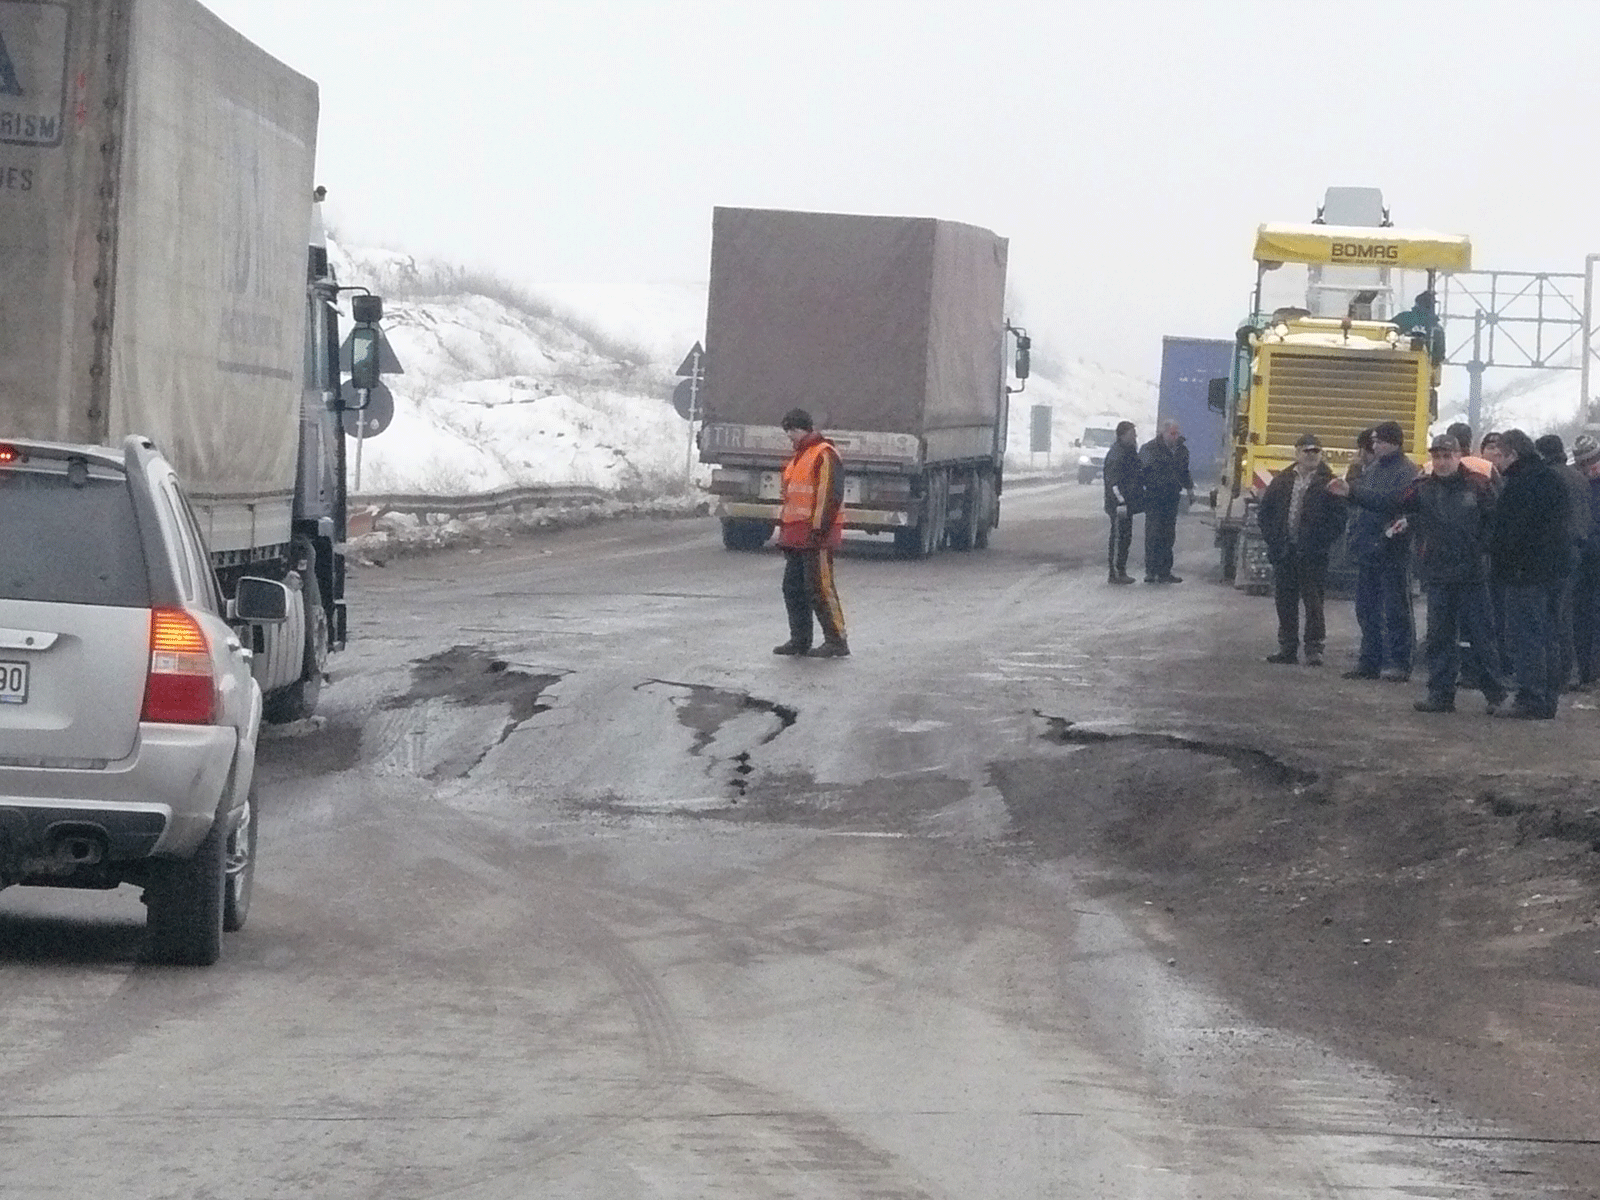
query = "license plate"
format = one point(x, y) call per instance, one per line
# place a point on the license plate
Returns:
point(771, 485)
point(13, 683)
point(852, 491)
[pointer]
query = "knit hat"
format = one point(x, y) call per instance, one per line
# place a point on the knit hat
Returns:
point(1390, 432)
point(1585, 451)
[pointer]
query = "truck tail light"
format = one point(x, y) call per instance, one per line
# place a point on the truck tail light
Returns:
point(181, 688)
point(8, 455)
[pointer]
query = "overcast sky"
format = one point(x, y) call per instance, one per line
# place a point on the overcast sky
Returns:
point(1128, 150)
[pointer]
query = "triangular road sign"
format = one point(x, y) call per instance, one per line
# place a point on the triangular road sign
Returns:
point(692, 362)
point(388, 363)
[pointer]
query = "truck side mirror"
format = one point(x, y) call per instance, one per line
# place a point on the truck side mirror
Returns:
point(1024, 348)
point(365, 342)
point(1217, 395)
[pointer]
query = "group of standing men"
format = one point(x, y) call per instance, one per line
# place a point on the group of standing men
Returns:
point(1506, 545)
point(1152, 479)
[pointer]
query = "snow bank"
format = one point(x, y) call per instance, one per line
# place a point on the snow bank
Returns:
point(570, 385)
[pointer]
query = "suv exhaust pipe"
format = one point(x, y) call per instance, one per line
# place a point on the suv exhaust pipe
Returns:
point(71, 846)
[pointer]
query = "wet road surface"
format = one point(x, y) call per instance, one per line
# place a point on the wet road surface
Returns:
point(577, 891)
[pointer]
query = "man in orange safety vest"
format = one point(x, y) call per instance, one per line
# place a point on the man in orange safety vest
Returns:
point(810, 529)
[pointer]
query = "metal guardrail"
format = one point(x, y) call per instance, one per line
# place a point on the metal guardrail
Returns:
point(513, 499)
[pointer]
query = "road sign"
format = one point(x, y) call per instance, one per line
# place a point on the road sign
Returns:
point(685, 400)
point(388, 363)
point(693, 362)
point(1039, 430)
point(368, 422)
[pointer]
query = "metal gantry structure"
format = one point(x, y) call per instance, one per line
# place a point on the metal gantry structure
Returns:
point(1537, 320)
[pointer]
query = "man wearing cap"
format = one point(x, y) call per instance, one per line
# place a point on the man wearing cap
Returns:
point(1529, 554)
point(1383, 585)
point(1586, 589)
point(1300, 520)
point(1451, 510)
point(1124, 497)
point(810, 529)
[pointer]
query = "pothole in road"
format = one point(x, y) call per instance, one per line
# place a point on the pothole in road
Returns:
point(728, 726)
point(1247, 759)
point(471, 677)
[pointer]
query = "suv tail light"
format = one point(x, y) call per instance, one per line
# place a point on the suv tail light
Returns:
point(181, 689)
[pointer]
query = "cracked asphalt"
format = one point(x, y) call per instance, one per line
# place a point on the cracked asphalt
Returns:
point(1051, 890)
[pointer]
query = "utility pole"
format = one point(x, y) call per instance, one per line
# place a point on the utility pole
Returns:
point(1585, 413)
point(1475, 374)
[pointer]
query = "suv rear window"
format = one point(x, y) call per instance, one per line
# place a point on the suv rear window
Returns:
point(69, 543)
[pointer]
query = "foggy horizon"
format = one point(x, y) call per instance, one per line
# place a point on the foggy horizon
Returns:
point(1127, 155)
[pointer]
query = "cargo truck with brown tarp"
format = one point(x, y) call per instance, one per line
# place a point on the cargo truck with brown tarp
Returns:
point(162, 274)
point(892, 332)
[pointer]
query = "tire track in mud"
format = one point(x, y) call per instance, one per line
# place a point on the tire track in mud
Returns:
point(788, 1142)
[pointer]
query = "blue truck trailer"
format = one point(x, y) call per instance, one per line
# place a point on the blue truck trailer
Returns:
point(1188, 365)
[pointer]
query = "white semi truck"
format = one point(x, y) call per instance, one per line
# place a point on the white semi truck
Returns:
point(157, 278)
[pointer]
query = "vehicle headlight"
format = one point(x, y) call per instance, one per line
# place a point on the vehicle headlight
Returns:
point(1084, 460)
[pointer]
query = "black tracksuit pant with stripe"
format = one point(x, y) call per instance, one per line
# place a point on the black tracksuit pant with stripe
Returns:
point(808, 589)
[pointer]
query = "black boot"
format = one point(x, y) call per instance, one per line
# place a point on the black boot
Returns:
point(792, 648)
point(831, 649)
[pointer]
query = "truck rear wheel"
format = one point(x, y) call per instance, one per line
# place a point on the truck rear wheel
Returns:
point(963, 529)
point(939, 511)
point(298, 700)
point(984, 504)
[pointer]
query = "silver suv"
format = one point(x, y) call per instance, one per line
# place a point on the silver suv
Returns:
point(128, 715)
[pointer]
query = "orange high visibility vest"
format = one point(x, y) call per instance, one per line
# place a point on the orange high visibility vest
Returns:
point(802, 506)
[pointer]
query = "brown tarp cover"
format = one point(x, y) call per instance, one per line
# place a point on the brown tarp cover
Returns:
point(886, 324)
point(212, 216)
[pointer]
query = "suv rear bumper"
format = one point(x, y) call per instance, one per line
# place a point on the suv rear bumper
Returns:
point(177, 772)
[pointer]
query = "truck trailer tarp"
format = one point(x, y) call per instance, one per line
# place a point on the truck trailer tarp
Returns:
point(889, 324)
point(117, 319)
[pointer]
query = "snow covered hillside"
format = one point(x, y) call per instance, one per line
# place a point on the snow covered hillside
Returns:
point(505, 386)
point(499, 389)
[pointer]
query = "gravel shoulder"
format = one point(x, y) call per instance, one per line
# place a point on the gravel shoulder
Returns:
point(1422, 892)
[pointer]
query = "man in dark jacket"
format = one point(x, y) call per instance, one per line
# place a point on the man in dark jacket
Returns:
point(1451, 510)
point(1164, 471)
point(1383, 584)
point(1124, 497)
point(1529, 555)
point(1554, 453)
point(1300, 521)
